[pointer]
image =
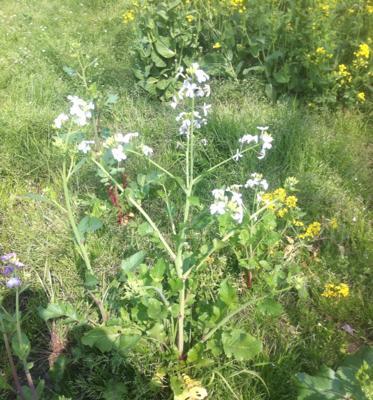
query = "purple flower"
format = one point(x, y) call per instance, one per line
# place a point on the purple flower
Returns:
point(9, 256)
point(17, 264)
point(7, 270)
point(13, 282)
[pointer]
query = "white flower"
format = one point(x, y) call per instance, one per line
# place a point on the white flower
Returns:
point(237, 156)
point(199, 73)
point(85, 146)
point(218, 193)
point(205, 109)
point(120, 138)
point(148, 151)
point(204, 142)
point(207, 90)
point(217, 208)
point(267, 141)
point(118, 153)
point(60, 120)
point(249, 138)
point(189, 89)
point(262, 128)
point(264, 184)
point(185, 126)
point(80, 109)
point(261, 155)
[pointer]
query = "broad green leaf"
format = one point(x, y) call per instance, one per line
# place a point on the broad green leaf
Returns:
point(157, 60)
point(132, 262)
point(57, 310)
point(162, 48)
point(270, 307)
point(103, 338)
point(155, 309)
point(157, 332)
point(21, 346)
point(158, 271)
point(240, 345)
point(89, 224)
point(228, 294)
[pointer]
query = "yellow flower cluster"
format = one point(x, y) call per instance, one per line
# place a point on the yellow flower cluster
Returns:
point(322, 54)
point(296, 222)
point(217, 45)
point(238, 5)
point(279, 196)
point(331, 290)
point(193, 390)
point(128, 16)
point(361, 97)
point(344, 75)
point(361, 56)
point(189, 18)
point(311, 231)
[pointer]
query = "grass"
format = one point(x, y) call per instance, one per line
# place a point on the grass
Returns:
point(329, 153)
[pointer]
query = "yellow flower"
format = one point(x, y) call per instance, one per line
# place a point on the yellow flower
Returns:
point(280, 194)
point(282, 212)
point(320, 50)
point(217, 45)
point(128, 16)
point(343, 74)
point(370, 9)
point(363, 51)
point(333, 223)
point(296, 222)
point(193, 390)
point(189, 18)
point(311, 231)
point(331, 290)
point(291, 201)
point(361, 97)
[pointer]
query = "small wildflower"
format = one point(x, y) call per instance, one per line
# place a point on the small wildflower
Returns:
point(85, 146)
point(13, 282)
point(333, 223)
point(58, 122)
point(118, 153)
point(204, 142)
point(331, 290)
point(312, 231)
point(296, 222)
point(237, 156)
point(80, 110)
point(189, 18)
point(246, 139)
point(361, 97)
point(148, 151)
point(282, 212)
point(291, 201)
point(128, 16)
point(216, 45)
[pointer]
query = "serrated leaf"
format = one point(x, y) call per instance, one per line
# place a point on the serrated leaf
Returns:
point(158, 271)
point(240, 345)
point(270, 307)
point(89, 224)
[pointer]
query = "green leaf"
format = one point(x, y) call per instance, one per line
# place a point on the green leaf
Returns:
point(157, 332)
point(158, 271)
point(155, 309)
point(3, 384)
point(103, 338)
point(194, 201)
point(157, 60)
point(21, 346)
point(270, 307)
point(132, 262)
point(89, 225)
point(240, 345)
point(145, 229)
point(228, 294)
point(163, 49)
point(58, 310)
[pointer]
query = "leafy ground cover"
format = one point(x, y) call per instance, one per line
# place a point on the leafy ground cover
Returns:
point(50, 51)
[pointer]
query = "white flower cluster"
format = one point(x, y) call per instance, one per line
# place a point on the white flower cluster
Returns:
point(264, 138)
point(80, 112)
point(194, 85)
point(230, 200)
